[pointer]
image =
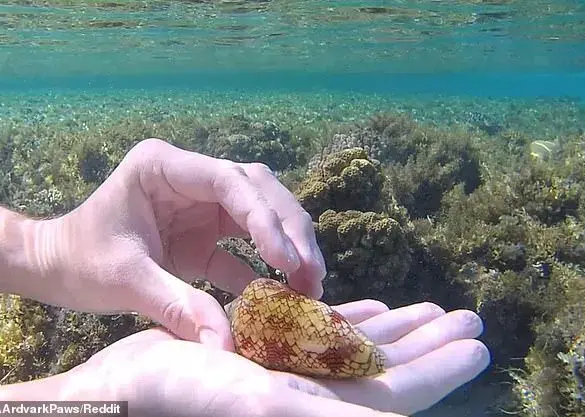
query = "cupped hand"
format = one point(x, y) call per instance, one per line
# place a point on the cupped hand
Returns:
point(429, 354)
point(155, 222)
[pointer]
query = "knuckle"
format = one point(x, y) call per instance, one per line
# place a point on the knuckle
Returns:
point(172, 314)
point(145, 152)
point(376, 306)
point(228, 178)
point(232, 168)
point(431, 309)
point(271, 213)
point(150, 146)
point(260, 168)
point(305, 219)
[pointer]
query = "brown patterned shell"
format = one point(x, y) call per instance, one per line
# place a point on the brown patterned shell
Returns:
point(284, 330)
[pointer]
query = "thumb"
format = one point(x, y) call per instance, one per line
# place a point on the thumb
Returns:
point(189, 313)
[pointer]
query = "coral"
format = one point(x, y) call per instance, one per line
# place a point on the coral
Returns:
point(344, 180)
point(366, 253)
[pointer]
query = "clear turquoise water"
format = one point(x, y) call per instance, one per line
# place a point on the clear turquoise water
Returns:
point(498, 47)
point(472, 49)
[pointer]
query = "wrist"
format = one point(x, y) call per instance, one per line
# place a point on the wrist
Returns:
point(29, 251)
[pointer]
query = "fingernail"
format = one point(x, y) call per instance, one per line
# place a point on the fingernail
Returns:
point(209, 337)
point(292, 258)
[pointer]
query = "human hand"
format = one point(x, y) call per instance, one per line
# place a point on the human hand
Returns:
point(156, 221)
point(429, 354)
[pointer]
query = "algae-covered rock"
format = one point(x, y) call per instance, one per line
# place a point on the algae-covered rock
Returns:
point(573, 383)
point(37, 340)
point(386, 137)
point(517, 243)
point(22, 339)
point(241, 140)
point(344, 180)
point(244, 251)
point(420, 183)
point(553, 376)
point(366, 253)
point(76, 336)
point(421, 162)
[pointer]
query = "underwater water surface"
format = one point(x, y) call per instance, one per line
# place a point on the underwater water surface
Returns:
point(512, 48)
point(510, 72)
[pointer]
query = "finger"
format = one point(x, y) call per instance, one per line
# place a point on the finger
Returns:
point(229, 228)
point(187, 312)
point(297, 225)
point(393, 324)
point(295, 403)
point(358, 311)
point(425, 381)
point(455, 325)
point(205, 179)
point(408, 388)
point(192, 256)
point(202, 214)
point(228, 272)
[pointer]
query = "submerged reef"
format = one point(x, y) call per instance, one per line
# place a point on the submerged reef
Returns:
point(404, 212)
point(490, 226)
point(421, 163)
point(364, 235)
point(243, 141)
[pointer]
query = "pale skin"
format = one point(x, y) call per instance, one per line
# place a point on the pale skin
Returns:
point(153, 224)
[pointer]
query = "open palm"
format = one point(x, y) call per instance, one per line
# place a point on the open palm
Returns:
point(429, 354)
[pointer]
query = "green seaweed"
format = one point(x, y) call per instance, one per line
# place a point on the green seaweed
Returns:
point(23, 339)
point(421, 163)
